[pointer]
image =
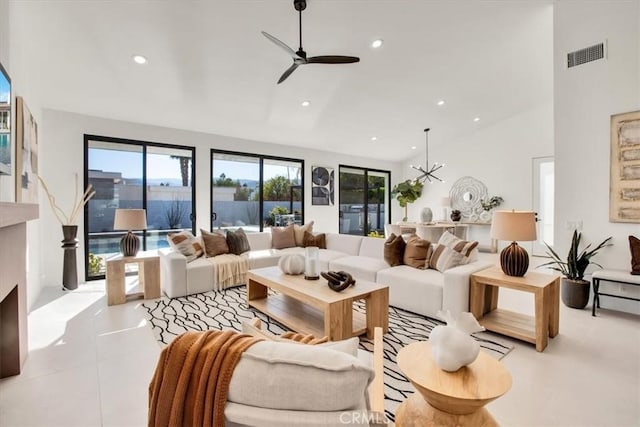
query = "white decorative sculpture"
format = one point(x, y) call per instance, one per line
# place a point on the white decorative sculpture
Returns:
point(291, 264)
point(452, 346)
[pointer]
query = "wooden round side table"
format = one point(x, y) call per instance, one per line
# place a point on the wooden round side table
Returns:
point(449, 398)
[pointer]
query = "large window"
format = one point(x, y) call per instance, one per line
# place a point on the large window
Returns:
point(253, 191)
point(135, 175)
point(364, 200)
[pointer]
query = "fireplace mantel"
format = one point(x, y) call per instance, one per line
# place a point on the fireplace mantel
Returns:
point(13, 285)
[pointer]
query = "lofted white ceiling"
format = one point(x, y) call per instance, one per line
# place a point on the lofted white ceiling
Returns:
point(211, 70)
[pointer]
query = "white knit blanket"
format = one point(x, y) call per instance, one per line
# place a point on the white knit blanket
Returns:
point(228, 270)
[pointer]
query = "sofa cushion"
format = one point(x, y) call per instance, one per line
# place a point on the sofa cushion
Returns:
point(372, 247)
point(237, 241)
point(200, 274)
point(277, 375)
point(259, 241)
point(326, 255)
point(283, 237)
point(214, 243)
point(300, 230)
point(419, 291)
point(417, 252)
point(318, 240)
point(262, 258)
point(451, 252)
point(634, 246)
point(346, 243)
point(394, 248)
point(360, 267)
point(187, 244)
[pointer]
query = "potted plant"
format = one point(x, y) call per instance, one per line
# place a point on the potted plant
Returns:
point(407, 192)
point(575, 290)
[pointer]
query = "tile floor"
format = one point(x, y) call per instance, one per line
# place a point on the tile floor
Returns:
point(90, 365)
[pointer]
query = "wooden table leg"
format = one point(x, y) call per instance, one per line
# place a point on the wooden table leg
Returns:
point(256, 290)
point(377, 307)
point(338, 320)
point(115, 282)
point(490, 298)
point(476, 298)
point(542, 315)
point(151, 278)
point(554, 310)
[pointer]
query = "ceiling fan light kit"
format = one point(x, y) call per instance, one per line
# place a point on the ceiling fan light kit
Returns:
point(428, 173)
point(300, 56)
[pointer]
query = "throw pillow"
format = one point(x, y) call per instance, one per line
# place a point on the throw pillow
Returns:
point(283, 237)
point(319, 240)
point(451, 252)
point(417, 252)
point(394, 250)
point(634, 245)
point(238, 242)
point(187, 244)
point(214, 243)
point(300, 230)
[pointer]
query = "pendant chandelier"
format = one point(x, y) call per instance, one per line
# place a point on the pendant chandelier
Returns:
point(428, 172)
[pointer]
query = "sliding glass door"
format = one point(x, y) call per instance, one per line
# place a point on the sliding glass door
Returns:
point(364, 200)
point(253, 191)
point(135, 175)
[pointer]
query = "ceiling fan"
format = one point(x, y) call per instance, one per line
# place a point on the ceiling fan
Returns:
point(300, 56)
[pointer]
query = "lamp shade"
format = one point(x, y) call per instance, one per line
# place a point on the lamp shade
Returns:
point(130, 219)
point(514, 226)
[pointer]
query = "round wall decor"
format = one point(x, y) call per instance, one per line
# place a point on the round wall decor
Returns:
point(466, 194)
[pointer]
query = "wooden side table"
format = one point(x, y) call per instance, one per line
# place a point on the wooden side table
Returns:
point(449, 398)
point(484, 286)
point(148, 275)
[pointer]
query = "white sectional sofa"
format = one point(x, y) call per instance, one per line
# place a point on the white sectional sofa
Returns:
point(420, 291)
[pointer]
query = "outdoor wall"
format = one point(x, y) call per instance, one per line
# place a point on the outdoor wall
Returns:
point(62, 154)
point(585, 97)
point(499, 155)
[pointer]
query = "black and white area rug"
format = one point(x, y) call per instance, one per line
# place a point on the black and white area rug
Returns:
point(228, 308)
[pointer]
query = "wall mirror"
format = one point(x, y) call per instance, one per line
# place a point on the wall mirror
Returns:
point(5, 122)
point(466, 194)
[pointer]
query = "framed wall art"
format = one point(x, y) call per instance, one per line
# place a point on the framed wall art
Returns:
point(624, 192)
point(26, 154)
point(322, 188)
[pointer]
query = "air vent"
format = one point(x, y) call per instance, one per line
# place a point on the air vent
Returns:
point(588, 54)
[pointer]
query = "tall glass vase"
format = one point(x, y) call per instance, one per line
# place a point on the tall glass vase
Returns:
point(69, 267)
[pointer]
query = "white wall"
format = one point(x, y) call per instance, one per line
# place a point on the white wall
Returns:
point(499, 155)
point(584, 99)
point(63, 151)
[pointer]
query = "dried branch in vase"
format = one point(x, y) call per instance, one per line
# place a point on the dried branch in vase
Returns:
point(78, 204)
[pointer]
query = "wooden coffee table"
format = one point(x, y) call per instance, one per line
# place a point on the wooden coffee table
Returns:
point(311, 307)
point(449, 398)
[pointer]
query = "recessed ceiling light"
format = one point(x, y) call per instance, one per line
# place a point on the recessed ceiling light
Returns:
point(376, 43)
point(441, 103)
point(413, 147)
point(305, 103)
point(374, 138)
point(139, 59)
point(477, 119)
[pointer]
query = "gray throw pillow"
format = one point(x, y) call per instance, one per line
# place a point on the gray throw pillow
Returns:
point(237, 242)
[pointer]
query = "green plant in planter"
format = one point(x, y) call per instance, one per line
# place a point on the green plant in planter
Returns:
point(407, 192)
point(95, 264)
point(575, 290)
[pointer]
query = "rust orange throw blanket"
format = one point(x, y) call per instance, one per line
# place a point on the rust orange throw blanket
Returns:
point(191, 381)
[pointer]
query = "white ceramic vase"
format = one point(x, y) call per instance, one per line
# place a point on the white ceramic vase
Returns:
point(426, 215)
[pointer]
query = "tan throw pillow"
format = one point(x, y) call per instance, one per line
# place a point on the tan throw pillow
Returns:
point(394, 250)
point(451, 252)
point(634, 245)
point(237, 242)
point(417, 252)
point(214, 243)
point(187, 244)
point(300, 230)
point(319, 240)
point(282, 237)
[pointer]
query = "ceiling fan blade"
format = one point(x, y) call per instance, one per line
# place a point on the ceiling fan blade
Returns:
point(332, 59)
point(287, 73)
point(281, 44)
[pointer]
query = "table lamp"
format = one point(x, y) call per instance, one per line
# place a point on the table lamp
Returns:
point(130, 219)
point(515, 226)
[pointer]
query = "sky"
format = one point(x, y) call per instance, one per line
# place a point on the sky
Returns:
point(160, 166)
point(4, 89)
